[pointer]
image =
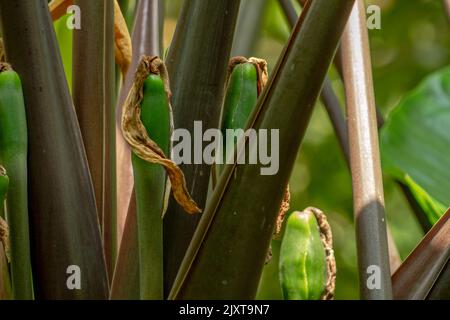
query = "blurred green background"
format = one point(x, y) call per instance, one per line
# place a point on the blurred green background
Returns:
point(413, 42)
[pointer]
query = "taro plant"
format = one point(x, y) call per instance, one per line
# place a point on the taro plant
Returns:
point(136, 165)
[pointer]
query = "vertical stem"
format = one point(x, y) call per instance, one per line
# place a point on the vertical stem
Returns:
point(447, 7)
point(441, 288)
point(61, 199)
point(198, 72)
point(88, 91)
point(419, 272)
point(373, 256)
point(146, 41)
point(109, 183)
point(125, 284)
point(248, 27)
point(289, 11)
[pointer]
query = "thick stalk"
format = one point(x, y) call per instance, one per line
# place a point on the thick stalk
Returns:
point(125, 284)
point(13, 156)
point(248, 27)
point(150, 186)
point(89, 92)
point(198, 72)
point(370, 220)
point(447, 8)
point(62, 208)
point(441, 288)
point(146, 41)
point(417, 274)
point(109, 182)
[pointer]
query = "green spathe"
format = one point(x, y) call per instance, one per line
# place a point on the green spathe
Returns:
point(13, 156)
point(150, 187)
point(303, 267)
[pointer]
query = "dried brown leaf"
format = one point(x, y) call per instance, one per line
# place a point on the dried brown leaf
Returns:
point(58, 8)
point(136, 135)
point(327, 241)
point(123, 46)
point(4, 237)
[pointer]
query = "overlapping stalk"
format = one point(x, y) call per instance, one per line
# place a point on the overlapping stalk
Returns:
point(286, 105)
point(13, 156)
point(370, 219)
point(198, 73)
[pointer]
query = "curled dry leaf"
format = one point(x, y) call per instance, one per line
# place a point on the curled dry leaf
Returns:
point(261, 69)
point(4, 237)
point(285, 205)
point(136, 135)
point(122, 46)
point(327, 241)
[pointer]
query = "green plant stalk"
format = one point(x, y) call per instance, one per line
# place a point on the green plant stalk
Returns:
point(13, 156)
point(150, 187)
point(240, 100)
point(303, 267)
point(146, 39)
point(62, 206)
point(198, 73)
point(229, 215)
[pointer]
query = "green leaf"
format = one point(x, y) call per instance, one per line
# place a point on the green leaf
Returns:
point(431, 207)
point(303, 264)
point(415, 143)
